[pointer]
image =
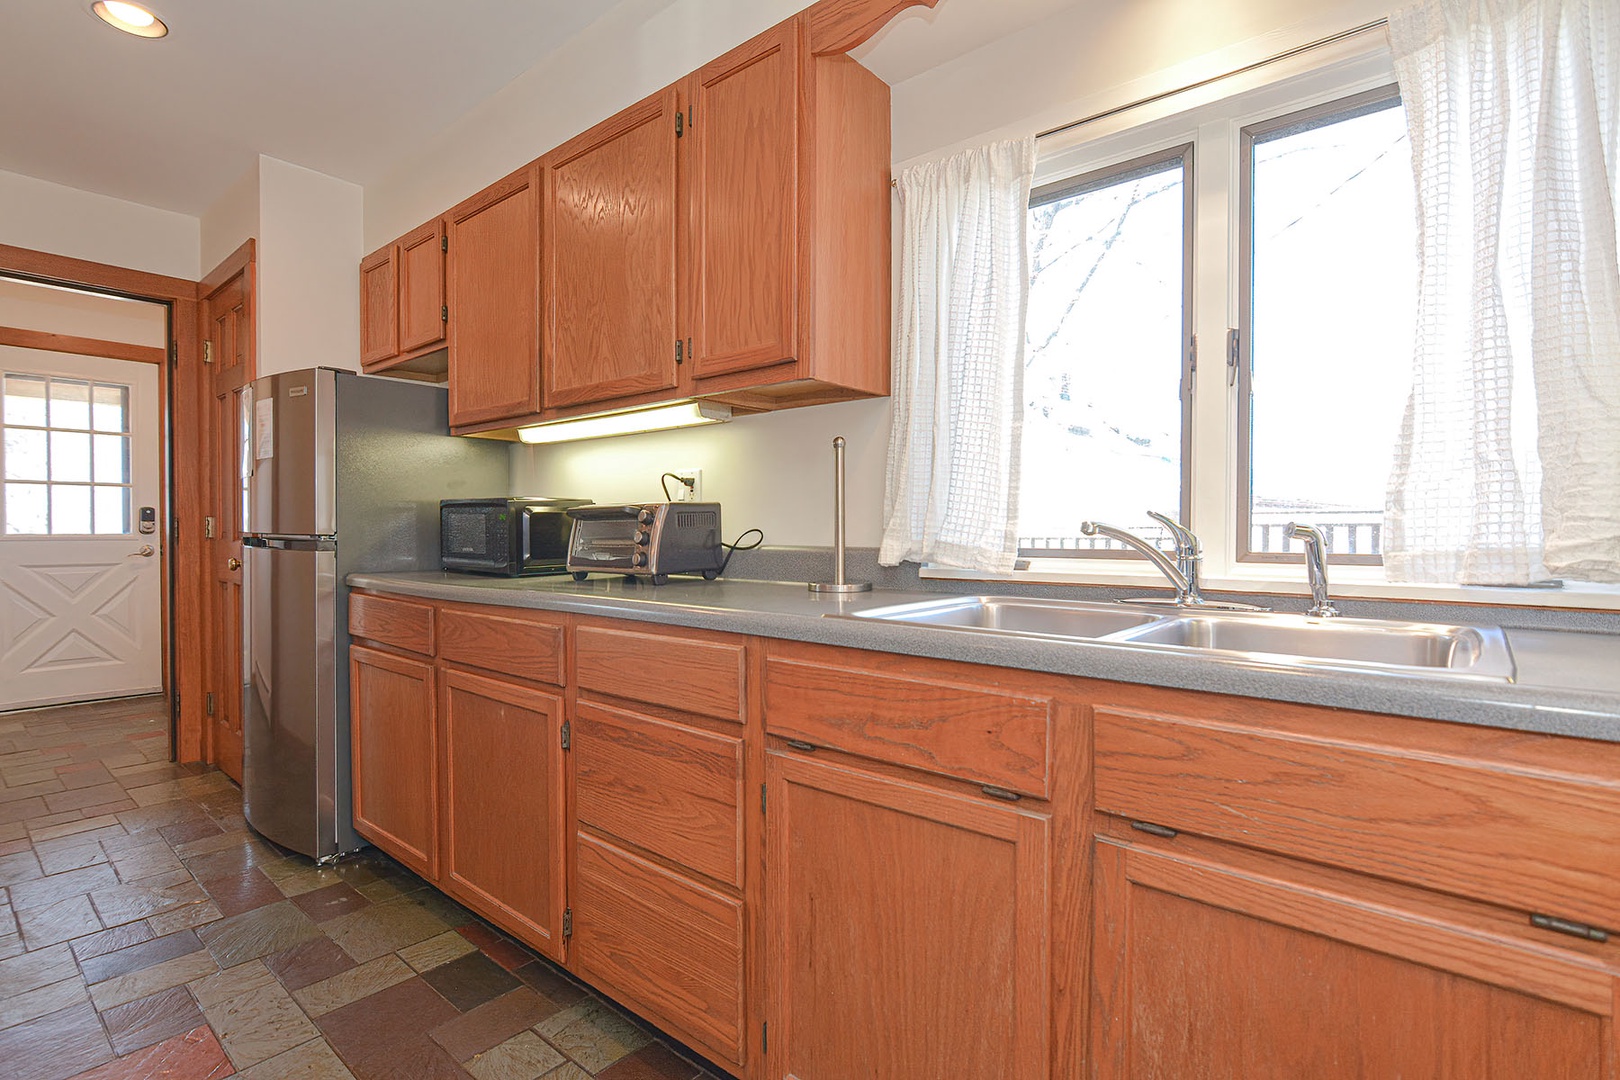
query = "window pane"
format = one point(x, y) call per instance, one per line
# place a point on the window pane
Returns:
point(110, 408)
point(112, 459)
point(70, 404)
point(112, 509)
point(70, 509)
point(70, 456)
point(25, 400)
point(1334, 295)
point(26, 509)
point(25, 455)
point(1103, 366)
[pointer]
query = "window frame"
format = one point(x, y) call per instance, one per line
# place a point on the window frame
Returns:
point(1342, 108)
point(1106, 176)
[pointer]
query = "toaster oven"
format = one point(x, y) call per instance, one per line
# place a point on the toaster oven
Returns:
point(651, 540)
point(505, 536)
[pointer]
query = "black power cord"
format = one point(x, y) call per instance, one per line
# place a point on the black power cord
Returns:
point(664, 481)
point(736, 546)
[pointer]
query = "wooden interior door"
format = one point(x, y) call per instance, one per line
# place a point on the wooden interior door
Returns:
point(228, 345)
point(909, 930)
point(744, 188)
point(1209, 969)
point(609, 258)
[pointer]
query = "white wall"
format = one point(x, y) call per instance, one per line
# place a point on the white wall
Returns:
point(49, 217)
point(232, 219)
point(308, 269)
point(775, 471)
point(26, 306)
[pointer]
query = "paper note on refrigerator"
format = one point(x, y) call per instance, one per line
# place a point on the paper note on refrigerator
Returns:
point(264, 429)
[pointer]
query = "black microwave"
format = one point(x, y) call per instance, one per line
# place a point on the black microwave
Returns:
point(506, 536)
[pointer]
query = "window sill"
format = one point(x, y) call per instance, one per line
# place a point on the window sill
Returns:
point(1345, 582)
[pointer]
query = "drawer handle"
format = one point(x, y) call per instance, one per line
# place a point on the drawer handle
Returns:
point(1568, 926)
point(1155, 830)
point(1000, 793)
point(800, 744)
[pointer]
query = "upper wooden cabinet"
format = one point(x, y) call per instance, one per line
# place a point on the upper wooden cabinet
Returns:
point(402, 304)
point(608, 258)
point(494, 287)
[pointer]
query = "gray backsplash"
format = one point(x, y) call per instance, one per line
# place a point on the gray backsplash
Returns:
point(816, 564)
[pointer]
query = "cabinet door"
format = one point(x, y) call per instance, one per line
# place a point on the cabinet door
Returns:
point(1207, 972)
point(494, 274)
point(908, 930)
point(745, 205)
point(394, 744)
point(504, 810)
point(379, 322)
point(609, 258)
point(421, 287)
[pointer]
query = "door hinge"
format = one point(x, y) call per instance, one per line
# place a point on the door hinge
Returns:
point(208, 528)
point(208, 352)
point(1234, 350)
point(1568, 926)
point(208, 703)
point(680, 352)
point(680, 125)
point(174, 352)
point(444, 313)
point(567, 735)
point(444, 243)
point(568, 923)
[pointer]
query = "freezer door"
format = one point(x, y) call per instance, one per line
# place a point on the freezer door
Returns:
point(294, 755)
point(292, 480)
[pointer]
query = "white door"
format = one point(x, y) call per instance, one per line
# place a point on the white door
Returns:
point(80, 585)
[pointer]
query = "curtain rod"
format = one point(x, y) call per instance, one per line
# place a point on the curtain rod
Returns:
point(1289, 54)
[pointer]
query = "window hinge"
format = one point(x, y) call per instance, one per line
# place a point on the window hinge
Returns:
point(680, 125)
point(444, 243)
point(1568, 926)
point(1155, 830)
point(208, 528)
point(680, 352)
point(208, 352)
point(444, 313)
point(208, 703)
point(1233, 351)
point(568, 922)
point(567, 735)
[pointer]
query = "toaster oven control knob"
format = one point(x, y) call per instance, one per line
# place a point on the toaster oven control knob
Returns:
point(643, 537)
point(639, 559)
point(646, 517)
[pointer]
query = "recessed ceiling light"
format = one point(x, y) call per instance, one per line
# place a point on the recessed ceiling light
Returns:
point(130, 18)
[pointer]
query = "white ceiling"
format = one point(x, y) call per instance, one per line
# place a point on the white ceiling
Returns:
point(344, 87)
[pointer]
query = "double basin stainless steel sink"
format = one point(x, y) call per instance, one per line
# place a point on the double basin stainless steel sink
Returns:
point(1274, 638)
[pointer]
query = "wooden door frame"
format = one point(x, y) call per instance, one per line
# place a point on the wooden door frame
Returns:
point(183, 445)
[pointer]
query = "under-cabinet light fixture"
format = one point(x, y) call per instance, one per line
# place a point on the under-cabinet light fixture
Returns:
point(631, 422)
point(130, 18)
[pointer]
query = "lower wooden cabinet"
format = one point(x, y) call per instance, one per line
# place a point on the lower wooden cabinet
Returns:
point(1210, 967)
point(395, 746)
point(505, 816)
point(908, 929)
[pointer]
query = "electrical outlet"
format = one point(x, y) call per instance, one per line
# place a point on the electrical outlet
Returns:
point(689, 488)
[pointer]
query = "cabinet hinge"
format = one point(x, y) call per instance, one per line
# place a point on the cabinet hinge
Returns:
point(1568, 926)
point(208, 352)
point(1155, 830)
point(762, 798)
point(1234, 351)
point(208, 703)
point(444, 313)
point(765, 1037)
point(568, 923)
point(444, 243)
point(680, 125)
point(999, 793)
point(567, 735)
point(680, 352)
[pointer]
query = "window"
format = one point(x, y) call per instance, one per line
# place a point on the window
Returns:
point(1106, 373)
point(64, 456)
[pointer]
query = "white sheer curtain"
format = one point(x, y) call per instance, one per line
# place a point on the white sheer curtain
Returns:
point(951, 492)
point(1509, 466)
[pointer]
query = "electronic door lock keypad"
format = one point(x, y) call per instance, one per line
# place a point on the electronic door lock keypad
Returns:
point(148, 521)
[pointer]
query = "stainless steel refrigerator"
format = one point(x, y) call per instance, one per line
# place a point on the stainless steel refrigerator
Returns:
point(344, 472)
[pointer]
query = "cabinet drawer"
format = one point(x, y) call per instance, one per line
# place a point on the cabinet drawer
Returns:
point(665, 946)
point(1471, 819)
point(404, 624)
point(525, 648)
point(694, 675)
point(671, 789)
point(937, 724)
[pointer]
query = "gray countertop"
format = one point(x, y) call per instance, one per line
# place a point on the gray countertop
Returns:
point(1568, 682)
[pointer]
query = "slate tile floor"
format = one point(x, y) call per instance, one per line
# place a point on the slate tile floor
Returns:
point(145, 932)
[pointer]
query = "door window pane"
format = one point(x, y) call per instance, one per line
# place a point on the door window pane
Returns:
point(24, 400)
point(111, 459)
point(110, 408)
point(1104, 361)
point(1333, 302)
point(112, 509)
point(70, 404)
point(26, 457)
point(70, 457)
point(73, 481)
point(27, 509)
point(70, 509)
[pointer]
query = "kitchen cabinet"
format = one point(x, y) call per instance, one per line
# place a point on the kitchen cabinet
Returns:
point(395, 746)
point(494, 299)
point(661, 890)
point(608, 257)
point(1284, 891)
point(402, 300)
